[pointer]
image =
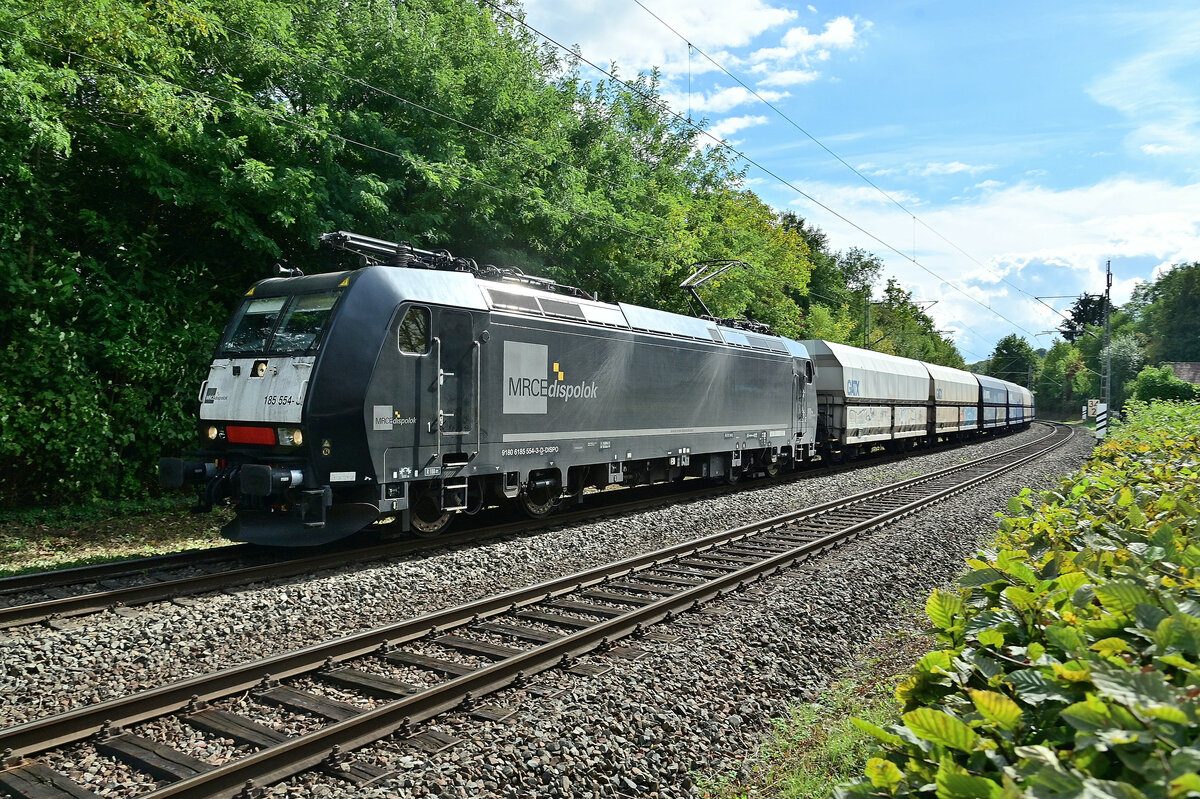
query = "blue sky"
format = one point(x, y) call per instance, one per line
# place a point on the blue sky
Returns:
point(1020, 145)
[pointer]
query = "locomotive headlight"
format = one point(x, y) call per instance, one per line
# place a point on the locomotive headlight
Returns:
point(290, 436)
point(212, 432)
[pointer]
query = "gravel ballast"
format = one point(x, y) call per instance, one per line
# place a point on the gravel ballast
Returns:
point(687, 710)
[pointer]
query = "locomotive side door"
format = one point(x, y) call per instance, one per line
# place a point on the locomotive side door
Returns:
point(457, 389)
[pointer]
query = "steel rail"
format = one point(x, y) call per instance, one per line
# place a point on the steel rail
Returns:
point(163, 590)
point(79, 575)
point(82, 604)
point(72, 726)
point(323, 745)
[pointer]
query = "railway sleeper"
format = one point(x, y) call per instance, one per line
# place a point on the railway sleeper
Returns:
point(35, 781)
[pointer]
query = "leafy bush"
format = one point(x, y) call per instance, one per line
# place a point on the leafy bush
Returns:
point(1070, 656)
point(1161, 384)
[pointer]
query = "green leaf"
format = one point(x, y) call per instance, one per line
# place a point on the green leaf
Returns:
point(1108, 647)
point(1110, 789)
point(981, 577)
point(1016, 566)
point(940, 728)
point(945, 609)
point(997, 708)
point(1132, 687)
point(1089, 715)
point(1169, 713)
point(1185, 785)
point(1122, 597)
point(877, 733)
point(993, 638)
point(1033, 687)
point(956, 785)
point(883, 773)
point(1066, 639)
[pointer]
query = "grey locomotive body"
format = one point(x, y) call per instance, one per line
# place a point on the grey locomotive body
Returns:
point(421, 393)
point(430, 386)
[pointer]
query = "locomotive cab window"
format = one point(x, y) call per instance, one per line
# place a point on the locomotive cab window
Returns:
point(303, 322)
point(808, 372)
point(413, 334)
point(253, 324)
point(279, 325)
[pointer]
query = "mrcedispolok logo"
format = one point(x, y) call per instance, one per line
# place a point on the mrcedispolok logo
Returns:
point(529, 380)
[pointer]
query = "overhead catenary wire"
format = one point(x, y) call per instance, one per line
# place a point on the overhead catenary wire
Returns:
point(718, 142)
point(442, 115)
point(528, 196)
point(916, 220)
point(411, 103)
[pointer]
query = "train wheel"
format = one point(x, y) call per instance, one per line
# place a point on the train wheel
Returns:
point(426, 517)
point(539, 503)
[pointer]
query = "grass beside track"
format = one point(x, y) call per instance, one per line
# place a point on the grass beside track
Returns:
point(816, 747)
point(58, 544)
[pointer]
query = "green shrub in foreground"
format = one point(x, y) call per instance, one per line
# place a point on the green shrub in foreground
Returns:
point(1070, 656)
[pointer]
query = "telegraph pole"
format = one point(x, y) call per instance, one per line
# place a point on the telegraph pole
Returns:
point(1106, 379)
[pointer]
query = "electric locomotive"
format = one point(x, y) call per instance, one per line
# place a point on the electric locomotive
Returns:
point(420, 386)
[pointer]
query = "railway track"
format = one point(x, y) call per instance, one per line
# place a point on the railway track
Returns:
point(51, 596)
point(412, 671)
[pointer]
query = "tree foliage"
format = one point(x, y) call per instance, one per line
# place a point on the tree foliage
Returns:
point(1088, 310)
point(159, 157)
point(1168, 311)
point(1160, 383)
point(1158, 324)
point(1063, 380)
point(1013, 360)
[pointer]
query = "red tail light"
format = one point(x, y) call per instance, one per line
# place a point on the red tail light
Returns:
point(240, 434)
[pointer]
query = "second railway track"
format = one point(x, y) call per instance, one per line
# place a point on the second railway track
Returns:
point(69, 593)
point(548, 624)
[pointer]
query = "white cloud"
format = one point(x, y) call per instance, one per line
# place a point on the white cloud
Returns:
point(1157, 91)
point(841, 197)
point(624, 34)
point(1043, 241)
point(790, 77)
point(800, 44)
point(953, 168)
point(721, 100)
point(727, 127)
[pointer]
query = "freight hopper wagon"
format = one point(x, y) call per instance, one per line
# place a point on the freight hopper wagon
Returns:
point(993, 403)
point(1020, 406)
point(421, 386)
point(867, 398)
point(954, 397)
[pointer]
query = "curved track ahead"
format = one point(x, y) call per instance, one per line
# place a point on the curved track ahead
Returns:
point(65, 593)
point(543, 626)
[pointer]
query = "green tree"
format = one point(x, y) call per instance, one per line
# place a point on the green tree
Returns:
point(1168, 309)
point(1013, 360)
point(159, 157)
point(1088, 310)
point(1126, 358)
point(900, 327)
point(1063, 380)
